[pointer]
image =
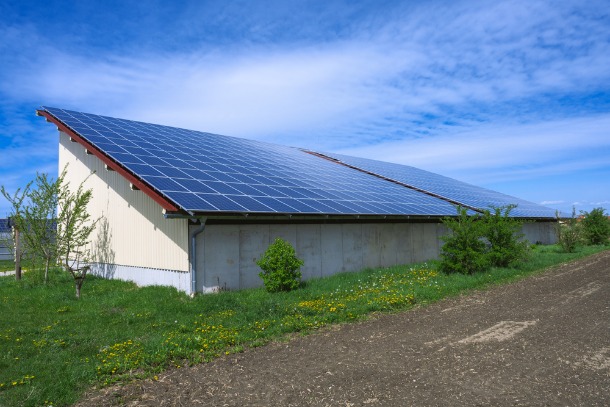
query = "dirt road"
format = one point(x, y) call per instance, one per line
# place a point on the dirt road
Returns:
point(542, 341)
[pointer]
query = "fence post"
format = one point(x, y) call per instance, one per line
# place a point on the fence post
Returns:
point(17, 254)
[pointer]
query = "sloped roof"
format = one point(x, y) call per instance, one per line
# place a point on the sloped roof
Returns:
point(4, 226)
point(202, 173)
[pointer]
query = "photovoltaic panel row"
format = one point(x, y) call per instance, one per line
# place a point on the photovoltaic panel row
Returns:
point(4, 226)
point(452, 189)
point(203, 172)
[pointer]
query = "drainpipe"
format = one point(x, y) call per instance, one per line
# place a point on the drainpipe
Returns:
point(193, 265)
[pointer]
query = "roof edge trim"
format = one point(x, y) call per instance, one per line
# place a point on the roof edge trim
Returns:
point(165, 204)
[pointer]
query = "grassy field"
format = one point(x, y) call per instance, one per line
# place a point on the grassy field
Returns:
point(7, 265)
point(53, 347)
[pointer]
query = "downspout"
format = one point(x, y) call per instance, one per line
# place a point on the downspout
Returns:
point(193, 265)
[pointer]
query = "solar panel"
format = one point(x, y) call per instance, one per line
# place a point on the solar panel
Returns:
point(4, 226)
point(465, 194)
point(208, 173)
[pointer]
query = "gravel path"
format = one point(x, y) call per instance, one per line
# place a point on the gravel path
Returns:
point(544, 340)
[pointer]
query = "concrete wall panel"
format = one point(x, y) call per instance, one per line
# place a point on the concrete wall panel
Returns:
point(404, 245)
point(286, 232)
point(418, 242)
point(253, 242)
point(543, 232)
point(332, 249)
point(389, 244)
point(371, 245)
point(221, 257)
point(352, 247)
point(309, 250)
point(431, 244)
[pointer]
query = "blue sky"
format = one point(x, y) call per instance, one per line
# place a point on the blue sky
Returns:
point(509, 95)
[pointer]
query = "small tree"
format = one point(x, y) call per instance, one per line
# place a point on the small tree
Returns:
point(463, 250)
point(55, 224)
point(280, 267)
point(17, 201)
point(596, 226)
point(568, 232)
point(40, 219)
point(507, 243)
point(74, 228)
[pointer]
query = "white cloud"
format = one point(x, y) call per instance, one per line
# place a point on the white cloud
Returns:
point(430, 59)
point(369, 94)
point(504, 152)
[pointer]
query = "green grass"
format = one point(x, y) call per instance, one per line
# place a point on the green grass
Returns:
point(53, 347)
point(7, 265)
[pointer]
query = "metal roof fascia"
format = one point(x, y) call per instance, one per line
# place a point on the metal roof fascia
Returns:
point(165, 204)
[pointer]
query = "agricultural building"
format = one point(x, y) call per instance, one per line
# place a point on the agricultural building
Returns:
point(5, 240)
point(195, 210)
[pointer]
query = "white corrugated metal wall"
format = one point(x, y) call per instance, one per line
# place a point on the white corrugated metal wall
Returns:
point(139, 234)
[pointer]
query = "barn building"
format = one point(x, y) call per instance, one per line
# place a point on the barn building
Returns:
point(6, 238)
point(195, 210)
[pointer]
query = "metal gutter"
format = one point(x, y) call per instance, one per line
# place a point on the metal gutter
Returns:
point(91, 149)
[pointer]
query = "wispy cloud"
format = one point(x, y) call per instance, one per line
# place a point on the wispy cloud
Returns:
point(430, 60)
point(504, 152)
point(481, 91)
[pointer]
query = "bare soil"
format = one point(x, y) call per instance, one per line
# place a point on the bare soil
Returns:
point(544, 340)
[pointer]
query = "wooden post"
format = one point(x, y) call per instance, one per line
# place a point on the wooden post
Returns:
point(17, 254)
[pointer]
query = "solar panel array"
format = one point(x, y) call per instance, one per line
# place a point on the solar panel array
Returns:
point(4, 226)
point(465, 194)
point(208, 173)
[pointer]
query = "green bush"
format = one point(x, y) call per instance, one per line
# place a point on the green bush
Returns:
point(477, 242)
point(596, 226)
point(280, 267)
point(503, 233)
point(463, 250)
point(569, 234)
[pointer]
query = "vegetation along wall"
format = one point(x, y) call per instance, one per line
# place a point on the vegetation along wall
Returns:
point(226, 254)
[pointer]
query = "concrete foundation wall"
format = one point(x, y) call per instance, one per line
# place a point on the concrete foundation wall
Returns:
point(227, 254)
point(540, 232)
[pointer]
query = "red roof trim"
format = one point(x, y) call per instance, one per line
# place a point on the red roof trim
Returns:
point(165, 204)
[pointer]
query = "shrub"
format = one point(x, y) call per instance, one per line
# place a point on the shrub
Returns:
point(568, 232)
point(503, 233)
point(280, 267)
point(463, 250)
point(596, 226)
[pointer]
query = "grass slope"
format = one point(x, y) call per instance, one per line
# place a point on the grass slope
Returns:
point(53, 347)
